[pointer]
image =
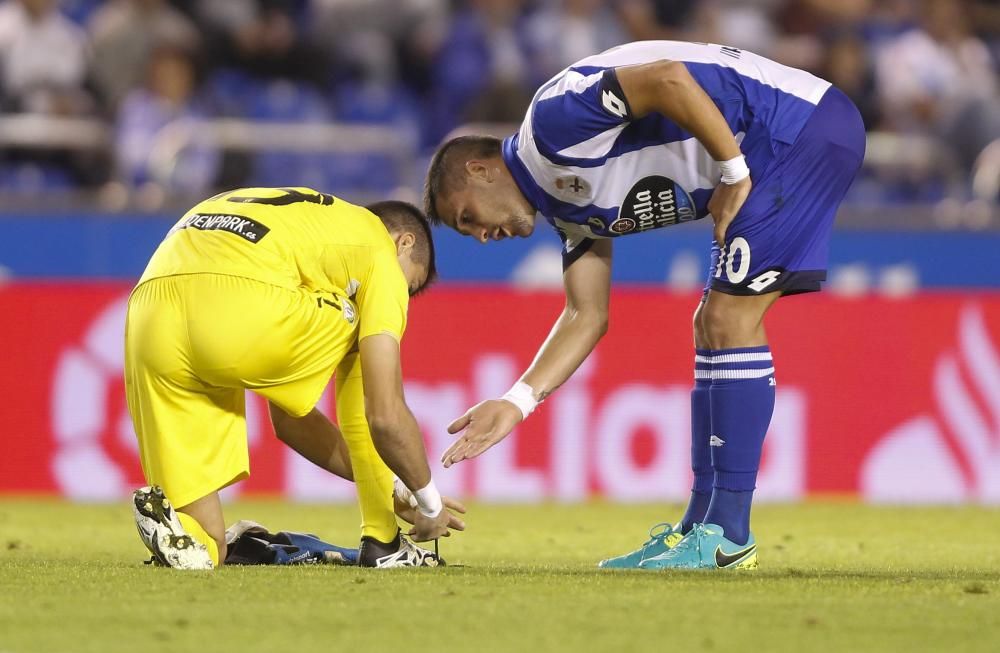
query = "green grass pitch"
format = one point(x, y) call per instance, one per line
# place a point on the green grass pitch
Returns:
point(833, 577)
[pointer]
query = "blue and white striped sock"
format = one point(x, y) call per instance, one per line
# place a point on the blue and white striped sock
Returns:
point(742, 402)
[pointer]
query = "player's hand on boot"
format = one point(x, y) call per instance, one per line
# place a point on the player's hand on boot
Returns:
point(408, 513)
point(430, 528)
point(485, 424)
point(725, 203)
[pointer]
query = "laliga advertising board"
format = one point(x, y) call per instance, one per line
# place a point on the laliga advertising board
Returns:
point(890, 400)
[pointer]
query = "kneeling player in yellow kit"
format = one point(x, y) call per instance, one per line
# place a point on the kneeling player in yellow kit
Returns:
point(275, 290)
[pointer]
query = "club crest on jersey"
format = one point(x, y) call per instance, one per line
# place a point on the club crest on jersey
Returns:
point(623, 225)
point(572, 186)
point(654, 202)
point(349, 313)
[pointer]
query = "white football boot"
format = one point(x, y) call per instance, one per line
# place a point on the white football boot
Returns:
point(401, 552)
point(162, 533)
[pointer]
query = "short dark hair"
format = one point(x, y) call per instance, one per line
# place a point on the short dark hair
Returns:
point(446, 170)
point(401, 216)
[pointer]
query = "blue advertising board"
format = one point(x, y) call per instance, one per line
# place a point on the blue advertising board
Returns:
point(117, 246)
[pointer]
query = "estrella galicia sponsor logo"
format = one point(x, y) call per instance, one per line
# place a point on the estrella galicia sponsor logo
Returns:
point(623, 225)
point(655, 202)
point(247, 229)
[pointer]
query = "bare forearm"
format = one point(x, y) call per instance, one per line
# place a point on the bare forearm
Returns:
point(316, 439)
point(571, 340)
point(582, 324)
point(668, 88)
point(395, 432)
point(687, 104)
point(400, 444)
point(573, 337)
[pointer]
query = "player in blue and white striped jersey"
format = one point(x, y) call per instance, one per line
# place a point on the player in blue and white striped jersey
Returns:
point(641, 137)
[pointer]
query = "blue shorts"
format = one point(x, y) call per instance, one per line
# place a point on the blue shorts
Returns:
point(779, 240)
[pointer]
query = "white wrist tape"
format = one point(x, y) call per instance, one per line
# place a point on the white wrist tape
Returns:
point(522, 395)
point(734, 170)
point(429, 500)
point(403, 493)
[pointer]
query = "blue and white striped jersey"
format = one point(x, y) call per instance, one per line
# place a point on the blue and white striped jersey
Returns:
point(594, 171)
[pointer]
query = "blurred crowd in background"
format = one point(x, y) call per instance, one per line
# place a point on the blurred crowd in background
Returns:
point(925, 70)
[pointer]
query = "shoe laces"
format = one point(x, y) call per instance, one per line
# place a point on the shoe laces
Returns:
point(415, 551)
point(692, 540)
point(660, 531)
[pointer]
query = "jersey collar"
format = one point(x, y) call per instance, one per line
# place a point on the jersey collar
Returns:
point(535, 195)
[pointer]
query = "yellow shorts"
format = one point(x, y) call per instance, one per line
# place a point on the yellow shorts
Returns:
point(194, 342)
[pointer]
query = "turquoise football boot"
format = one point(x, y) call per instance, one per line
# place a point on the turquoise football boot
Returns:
point(706, 547)
point(661, 538)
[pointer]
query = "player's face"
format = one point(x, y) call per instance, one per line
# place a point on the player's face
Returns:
point(416, 277)
point(415, 273)
point(489, 206)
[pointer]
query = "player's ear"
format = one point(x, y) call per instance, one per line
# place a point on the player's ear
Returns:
point(478, 170)
point(404, 241)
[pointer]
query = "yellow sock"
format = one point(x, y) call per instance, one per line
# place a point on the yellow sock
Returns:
point(378, 519)
point(371, 476)
point(198, 533)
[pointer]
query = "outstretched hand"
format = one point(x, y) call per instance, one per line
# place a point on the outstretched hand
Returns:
point(485, 424)
point(725, 203)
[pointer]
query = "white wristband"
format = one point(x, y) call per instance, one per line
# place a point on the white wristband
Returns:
point(403, 493)
point(734, 170)
point(429, 500)
point(522, 395)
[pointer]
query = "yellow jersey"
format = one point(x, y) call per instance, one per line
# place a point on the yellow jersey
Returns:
point(293, 238)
